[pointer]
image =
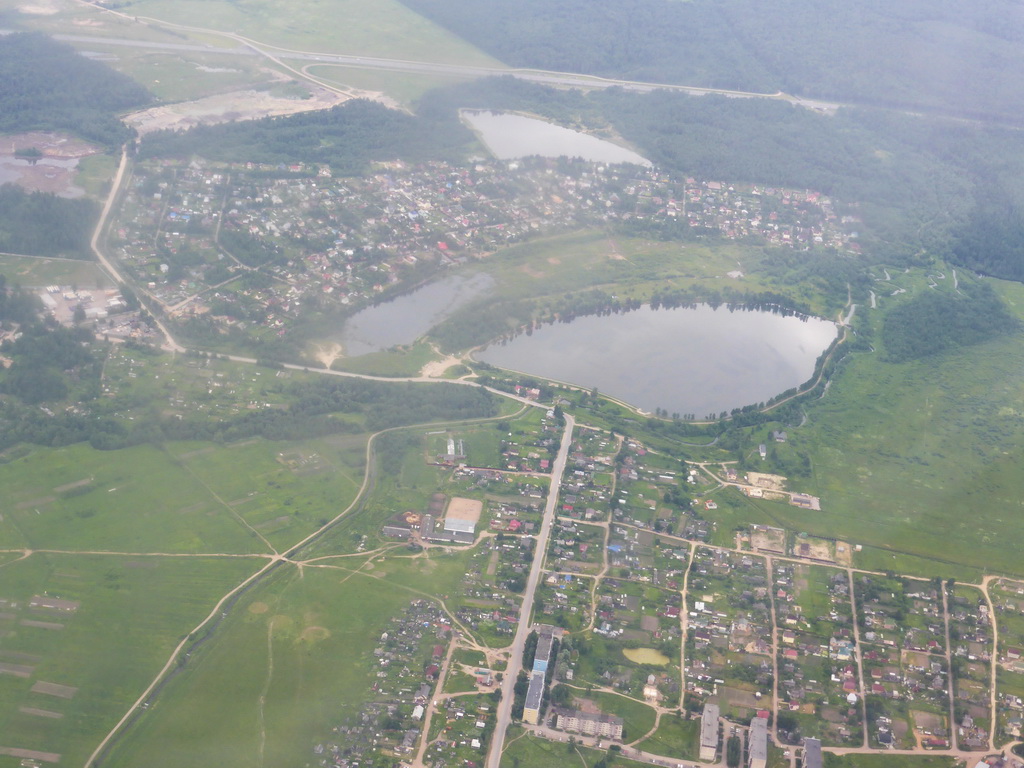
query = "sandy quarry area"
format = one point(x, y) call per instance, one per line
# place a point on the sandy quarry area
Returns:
point(53, 172)
point(237, 105)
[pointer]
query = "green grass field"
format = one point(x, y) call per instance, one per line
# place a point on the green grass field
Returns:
point(526, 750)
point(403, 87)
point(300, 639)
point(889, 761)
point(133, 611)
point(191, 497)
point(36, 271)
point(397, 363)
point(578, 260)
point(911, 457)
point(95, 173)
point(675, 737)
point(638, 717)
point(173, 77)
point(383, 28)
point(284, 491)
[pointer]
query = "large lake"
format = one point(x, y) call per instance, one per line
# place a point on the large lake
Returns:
point(406, 318)
point(510, 136)
point(695, 360)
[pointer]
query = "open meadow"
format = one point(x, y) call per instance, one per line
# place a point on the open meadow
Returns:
point(78, 666)
point(37, 272)
point(910, 457)
point(371, 28)
point(186, 498)
point(292, 661)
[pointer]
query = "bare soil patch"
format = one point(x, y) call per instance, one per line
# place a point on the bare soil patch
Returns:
point(314, 634)
point(926, 721)
point(54, 689)
point(41, 502)
point(17, 670)
point(41, 712)
point(436, 368)
point(816, 549)
point(71, 486)
point(259, 608)
point(228, 107)
point(327, 353)
point(41, 624)
point(31, 754)
point(769, 539)
point(844, 553)
point(40, 8)
point(460, 508)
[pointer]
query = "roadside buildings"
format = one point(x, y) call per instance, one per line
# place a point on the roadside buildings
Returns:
point(758, 742)
point(534, 699)
point(812, 753)
point(709, 733)
point(589, 723)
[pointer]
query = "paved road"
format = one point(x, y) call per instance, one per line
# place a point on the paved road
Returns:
point(559, 79)
point(515, 660)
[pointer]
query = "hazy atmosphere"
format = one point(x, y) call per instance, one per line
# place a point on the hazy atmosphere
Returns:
point(444, 383)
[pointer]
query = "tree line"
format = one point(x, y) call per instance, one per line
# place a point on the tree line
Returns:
point(48, 86)
point(933, 322)
point(347, 137)
point(42, 224)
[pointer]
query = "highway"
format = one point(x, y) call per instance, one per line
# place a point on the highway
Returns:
point(247, 47)
point(515, 661)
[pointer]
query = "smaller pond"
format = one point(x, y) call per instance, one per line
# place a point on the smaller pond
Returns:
point(404, 319)
point(645, 656)
point(510, 136)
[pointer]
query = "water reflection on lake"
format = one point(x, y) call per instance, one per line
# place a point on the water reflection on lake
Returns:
point(405, 318)
point(510, 136)
point(695, 360)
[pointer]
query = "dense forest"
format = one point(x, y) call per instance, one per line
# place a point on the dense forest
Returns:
point(991, 241)
point(47, 362)
point(48, 86)
point(347, 137)
point(925, 54)
point(42, 224)
point(933, 322)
